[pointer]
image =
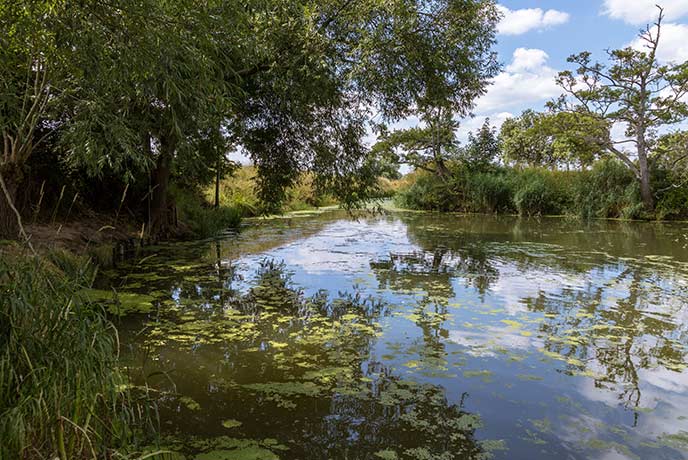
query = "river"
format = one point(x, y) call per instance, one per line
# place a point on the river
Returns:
point(414, 336)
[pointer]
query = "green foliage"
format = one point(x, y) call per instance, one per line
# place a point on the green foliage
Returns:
point(428, 147)
point(525, 143)
point(158, 91)
point(608, 190)
point(240, 191)
point(496, 190)
point(490, 192)
point(427, 193)
point(483, 147)
point(540, 192)
point(634, 89)
point(673, 204)
point(204, 220)
point(61, 391)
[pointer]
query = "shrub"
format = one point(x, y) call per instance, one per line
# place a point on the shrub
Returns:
point(429, 193)
point(489, 192)
point(539, 192)
point(673, 203)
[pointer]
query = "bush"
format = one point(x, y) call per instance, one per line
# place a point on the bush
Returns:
point(608, 190)
point(428, 193)
point(672, 195)
point(673, 203)
point(541, 192)
point(61, 393)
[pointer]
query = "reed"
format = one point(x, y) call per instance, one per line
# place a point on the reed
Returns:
point(62, 394)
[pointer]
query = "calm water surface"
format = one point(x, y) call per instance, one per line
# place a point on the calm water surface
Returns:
point(415, 336)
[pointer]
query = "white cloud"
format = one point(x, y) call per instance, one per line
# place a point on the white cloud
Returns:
point(517, 22)
point(527, 59)
point(526, 81)
point(673, 43)
point(639, 12)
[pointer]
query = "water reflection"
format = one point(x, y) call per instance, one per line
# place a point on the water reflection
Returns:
point(419, 336)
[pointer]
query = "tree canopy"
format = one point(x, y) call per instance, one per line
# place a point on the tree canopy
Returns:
point(152, 88)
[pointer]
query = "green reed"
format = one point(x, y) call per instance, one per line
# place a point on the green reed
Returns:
point(62, 394)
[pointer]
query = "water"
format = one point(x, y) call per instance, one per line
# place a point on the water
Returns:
point(416, 336)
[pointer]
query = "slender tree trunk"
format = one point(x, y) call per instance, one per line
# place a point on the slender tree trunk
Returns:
point(217, 183)
point(162, 219)
point(644, 169)
point(9, 226)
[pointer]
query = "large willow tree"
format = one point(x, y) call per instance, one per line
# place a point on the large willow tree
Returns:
point(152, 86)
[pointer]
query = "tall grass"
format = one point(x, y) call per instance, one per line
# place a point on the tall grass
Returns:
point(61, 392)
point(607, 190)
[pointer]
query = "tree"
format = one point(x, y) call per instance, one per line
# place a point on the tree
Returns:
point(483, 147)
point(427, 148)
point(524, 142)
point(401, 58)
point(137, 88)
point(31, 72)
point(156, 95)
point(450, 47)
point(634, 90)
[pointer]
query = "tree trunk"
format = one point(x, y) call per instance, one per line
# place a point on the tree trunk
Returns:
point(646, 189)
point(9, 226)
point(644, 169)
point(162, 216)
point(218, 174)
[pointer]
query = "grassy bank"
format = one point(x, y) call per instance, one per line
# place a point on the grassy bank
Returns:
point(239, 191)
point(607, 190)
point(62, 394)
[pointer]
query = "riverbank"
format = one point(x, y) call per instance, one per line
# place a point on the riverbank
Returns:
point(64, 393)
point(607, 190)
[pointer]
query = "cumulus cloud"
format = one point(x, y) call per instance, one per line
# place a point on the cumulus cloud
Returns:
point(673, 43)
point(517, 22)
point(639, 12)
point(526, 81)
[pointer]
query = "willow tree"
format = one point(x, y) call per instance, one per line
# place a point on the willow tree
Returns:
point(149, 83)
point(634, 90)
point(449, 65)
point(341, 60)
point(156, 86)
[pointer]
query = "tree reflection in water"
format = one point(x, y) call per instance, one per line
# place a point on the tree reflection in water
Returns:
point(283, 363)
